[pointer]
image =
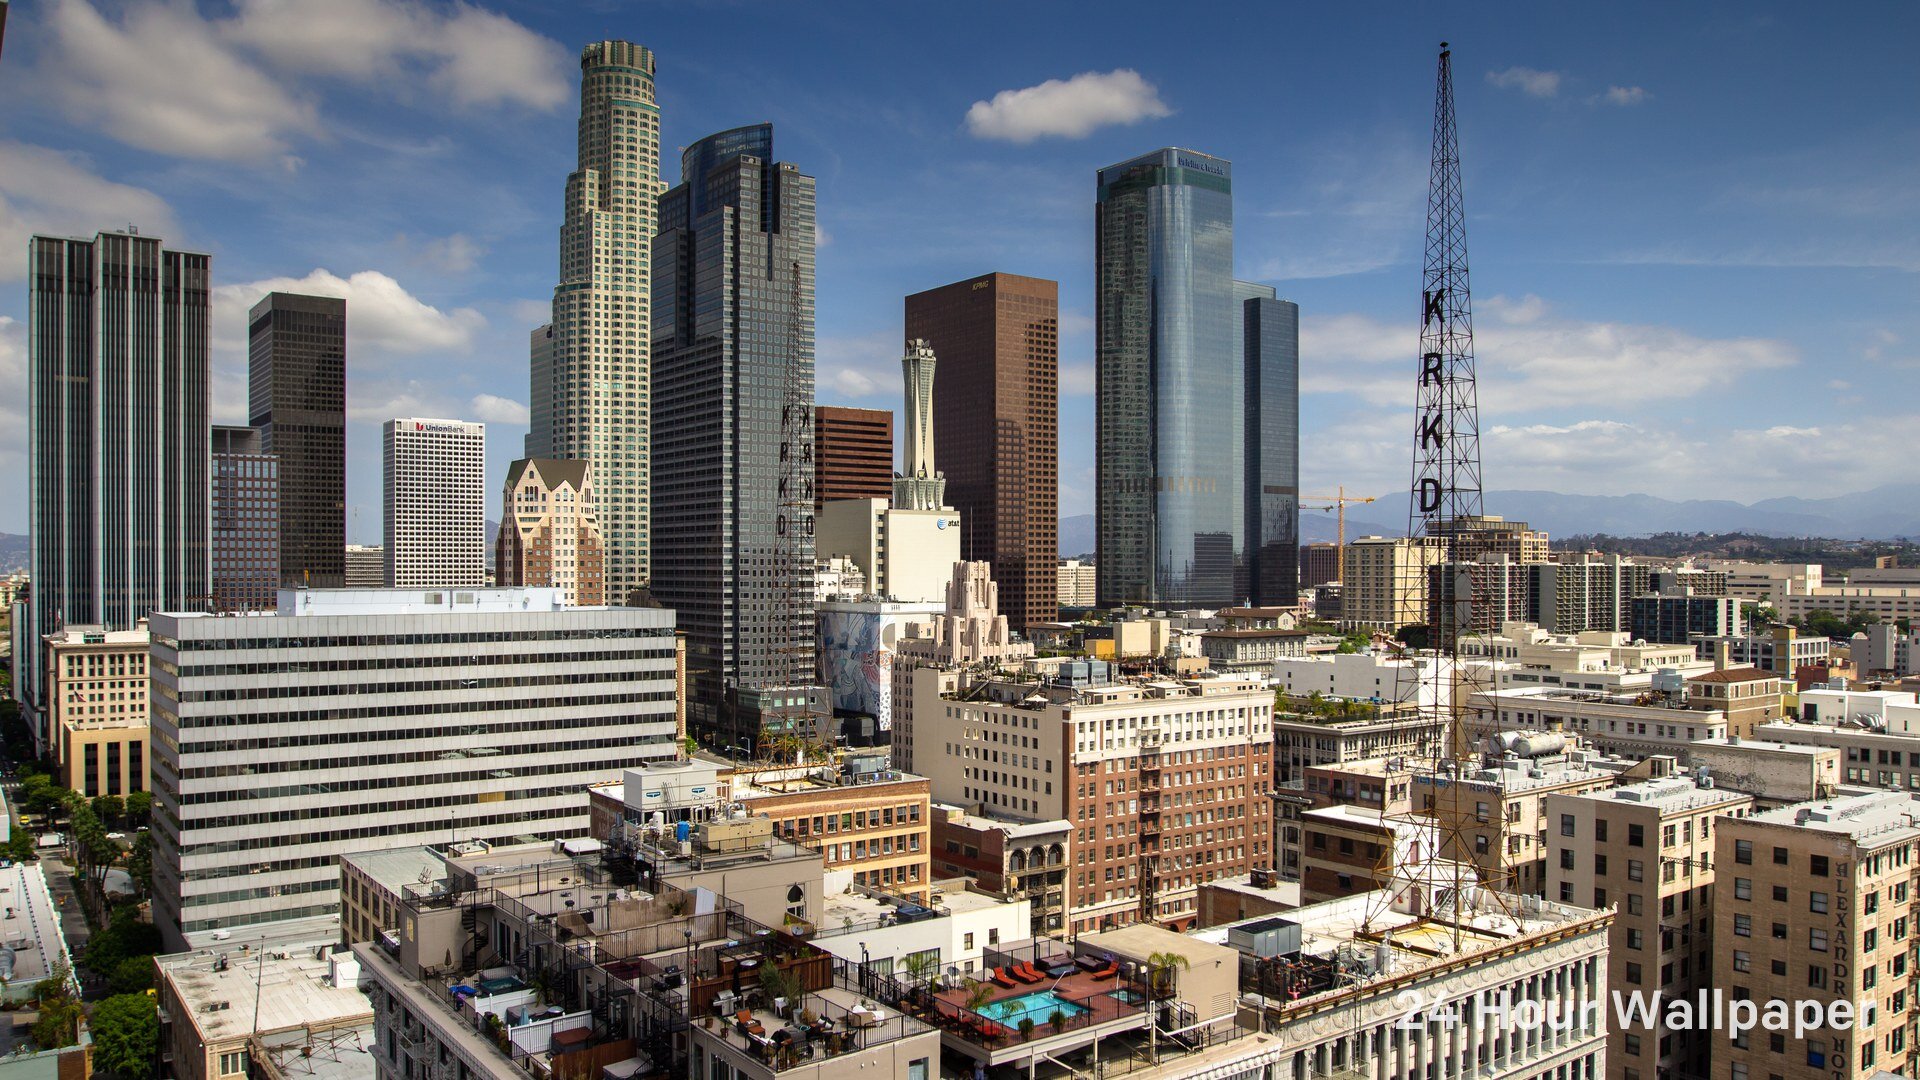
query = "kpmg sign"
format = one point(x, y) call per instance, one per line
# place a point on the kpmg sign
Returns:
point(1202, 165)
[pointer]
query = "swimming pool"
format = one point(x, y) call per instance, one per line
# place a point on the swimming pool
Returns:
point(1040, 1005)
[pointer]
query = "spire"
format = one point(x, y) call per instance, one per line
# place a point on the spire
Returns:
point(919, 486)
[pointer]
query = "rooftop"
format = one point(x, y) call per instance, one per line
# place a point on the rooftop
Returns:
point(1736, 675)
point(230, 993)
point(299, 603)
point(1670, 795)
point(1270, 632)
point(32, 930)
point(95, 635)
point(1880, 816)
point(1759, 746)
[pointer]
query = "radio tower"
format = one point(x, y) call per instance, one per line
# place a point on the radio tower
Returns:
point(1445, 490)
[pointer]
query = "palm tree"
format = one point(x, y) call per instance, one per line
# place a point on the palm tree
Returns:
point(979, 992)
point(1160, 969)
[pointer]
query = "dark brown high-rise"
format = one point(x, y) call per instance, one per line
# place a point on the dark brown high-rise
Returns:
point(996, 405)
point(297, 399)
point(852, 453)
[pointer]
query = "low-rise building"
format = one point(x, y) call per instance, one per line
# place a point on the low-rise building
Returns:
point(1261, 892)
point(1241, 652)
point(905, 937)
point(1869, 756)
point(1076, 583)
point(1347, 850)
point(1888, 603)
point(1642, 725)
point(869, 822)
point(1766, 583)
point(1773, 773)
point(220, 1006)
point(97, 705)
point(1780, 649)
point(1027, 860)
point(1330, 732)
point(1825, 916)
point(1747, 697)
point(1646, 850)
point(1376, 675)
point(33, 935)
point(1887, 710)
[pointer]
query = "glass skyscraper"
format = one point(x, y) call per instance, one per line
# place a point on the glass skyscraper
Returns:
point(297, 401)
point(1197, 422)
point(1168, 428)
point(733, 292)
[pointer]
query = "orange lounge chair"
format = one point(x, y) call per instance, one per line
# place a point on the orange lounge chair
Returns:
point(1024, 973)
point(1000, 978)
point(1107, 972)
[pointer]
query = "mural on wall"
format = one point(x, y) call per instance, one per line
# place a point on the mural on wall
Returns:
point(856, 667)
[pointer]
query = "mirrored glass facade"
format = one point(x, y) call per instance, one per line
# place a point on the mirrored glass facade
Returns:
point(1270, 342)
point(1170, 524)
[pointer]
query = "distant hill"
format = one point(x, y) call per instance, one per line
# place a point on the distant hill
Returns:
point(1883, 513)
point(14, 553)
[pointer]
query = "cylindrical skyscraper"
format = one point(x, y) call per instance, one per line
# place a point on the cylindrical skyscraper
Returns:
point(919, 487)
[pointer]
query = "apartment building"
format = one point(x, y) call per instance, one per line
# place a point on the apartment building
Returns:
point(353, 719)
point(1647, 850)
point(1747, 697)
point(1499, 810)
point(1869, 757)
point(1357, 731)
point(1683, 615)
point(1165, 781)
point(1822, 910)
point(1780, 649)
point(96, 684)
point(1386, 581)
point(1637, 726)
point(1075, 583)
point(1027, 860)
point(868, 822)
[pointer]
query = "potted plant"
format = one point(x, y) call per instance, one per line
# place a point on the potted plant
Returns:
point(1058, 1019)
point(1026, 1029)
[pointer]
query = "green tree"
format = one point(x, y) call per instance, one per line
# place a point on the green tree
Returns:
point(134, 975)
point(20, 847)
point(126, 1035)
point(124, 938)
point(59, 1008)
point(1416, 636)
point(140, 863)
point(109, 808)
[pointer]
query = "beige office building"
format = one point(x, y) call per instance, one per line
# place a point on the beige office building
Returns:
point(1386, 584)
point(1822, 909)
point(1501, 809)
point(97, 709)
point(549, 531)
point(1646, 849)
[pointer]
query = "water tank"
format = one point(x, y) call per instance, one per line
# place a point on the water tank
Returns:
point(681, 830)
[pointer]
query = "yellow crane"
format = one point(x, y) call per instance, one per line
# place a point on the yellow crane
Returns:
point(1338, 504)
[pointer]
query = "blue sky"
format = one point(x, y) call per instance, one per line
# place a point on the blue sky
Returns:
point(1694, 230)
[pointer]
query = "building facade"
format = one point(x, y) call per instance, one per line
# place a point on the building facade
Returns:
point(412, 715)
point(117, 461)
point(1386, 582)
point(1825, 915)
point(97, 707)
point(739, 573)
point(435, 485)
point(1647, 850)
point(1270, 334)
point(1319, 564)
point(244, 545)
point(852, 453)
point(1677, 618)
point(297, 400)
point(907, 555)
point(996, 420)
point(1016, 859)
point(591, 365)
point(550, 531)
point(366, 566)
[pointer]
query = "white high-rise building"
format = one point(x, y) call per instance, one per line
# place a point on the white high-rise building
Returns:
point(920, 486)
point(436, 502)
point(592, 372)
point(355, 719)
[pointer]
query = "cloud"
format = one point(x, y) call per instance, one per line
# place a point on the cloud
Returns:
point(13, 406)
point(1070, 108)
point(457, 253)
point(1531, 356)
point(1349, 209)
point(1626, 95)
point(1077, 380)
point(497, 410)
point(163, 77)
point(45, 191)
point(160, 79)
point(859, 366)
point(1540, 84)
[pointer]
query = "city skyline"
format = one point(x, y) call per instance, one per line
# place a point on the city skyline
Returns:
point(1682, 260)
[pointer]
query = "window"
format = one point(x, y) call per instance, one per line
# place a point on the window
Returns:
point(233, 1063)
point(1742, 888)
point(1636, 870)
point(1739, 1070)
point(1818, 865)
point(1633, 1045)
point(1742, 960)
point(1816, 976)
point(1634, 904)
point(917, 1069)
point(1599, 865)
point(1777, 1043)
point(1817, 902)
point(1817, 1053)
point(1743, 852)
point(1817, 939)
point(1636, 939)
point(966, 943)
point(1600, 829)
point(1780, 894)
point(1599, 898)
point(1566, 858)
point(1633, 974)
point(1779, 930)
point(1566, 892)
point(1636, 836)
point(1780, 856)
point(1566, 824)
point(1743, 925)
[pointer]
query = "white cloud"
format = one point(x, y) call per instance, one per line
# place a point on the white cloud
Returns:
point(46, 191)
point(1077, 380)
point(497, 410)
point(1530, 357)
point(164, 77)
point(1350, 208)
point(1531, 82)
point(1070, 108)
point(859, 366)
point(13, 405)
point(161, 80)
point(457, 253)
point(1626, 95)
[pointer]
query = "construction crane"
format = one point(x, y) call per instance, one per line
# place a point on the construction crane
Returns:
point(1337, 503)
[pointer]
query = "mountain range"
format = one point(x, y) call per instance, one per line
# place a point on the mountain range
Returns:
point(1886, 512)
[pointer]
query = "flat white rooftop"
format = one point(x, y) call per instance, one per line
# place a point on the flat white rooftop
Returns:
point(221, 988)
point(451, 601)
point(1669, 794)
point(32, 926)
point(1871, 816)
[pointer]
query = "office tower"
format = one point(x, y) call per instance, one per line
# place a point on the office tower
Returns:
point(733, 463)
point(1386, 585)
point(996, 430)
point(397, 718)
point(920, 486)
point(1270, 343)
point(590, 388)
point(435, 475)
point(852, 454)
point(1820, 910)
point(1077, 581)
point(117, 438)
point(245, 545)
point(1319, 564)
point(297, 400)
point(1169, 424)
point(549, 532)
point(97, 709)
point(366, 566)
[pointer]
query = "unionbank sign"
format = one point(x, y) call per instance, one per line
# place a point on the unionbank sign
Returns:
point(1202, 165)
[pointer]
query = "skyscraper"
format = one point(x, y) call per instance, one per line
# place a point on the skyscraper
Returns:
point(920, 486)
point(1270, 338)
point(549, 531)
point(245, 544)
point(297, 400)
point(590, 391)
point(117, 436)
point(996, 427)
point(435, 475)
point(853, 453)
point(1169, 425)
point(733, 350)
